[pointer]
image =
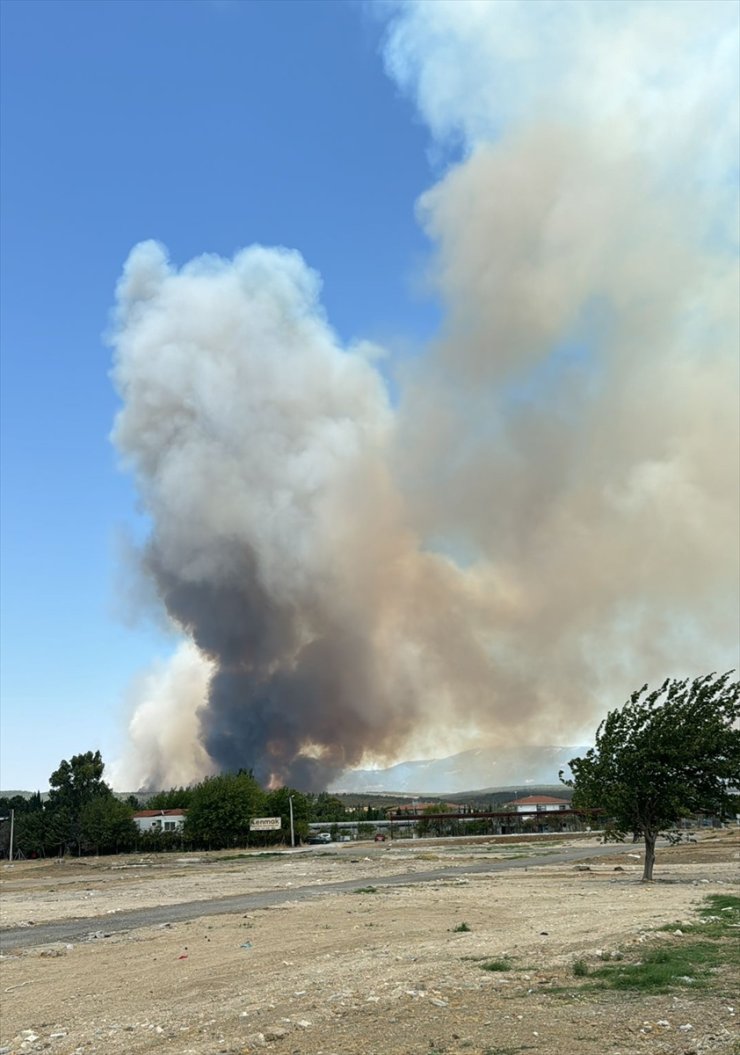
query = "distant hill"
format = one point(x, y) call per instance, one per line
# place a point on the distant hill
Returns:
point(484, 768)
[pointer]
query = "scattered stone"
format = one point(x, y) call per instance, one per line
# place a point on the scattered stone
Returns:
point(275, 1033)
point(303, 1023)
point(686, 1028)
point(256, 1040)
point(440, 1003)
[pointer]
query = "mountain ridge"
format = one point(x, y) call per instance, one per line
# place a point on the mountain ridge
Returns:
point(479, 767)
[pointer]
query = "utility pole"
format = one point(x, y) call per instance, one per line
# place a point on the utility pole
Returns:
point(292, 829)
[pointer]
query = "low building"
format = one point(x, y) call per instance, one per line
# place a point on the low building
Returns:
point(538, 804)
point(160, 820)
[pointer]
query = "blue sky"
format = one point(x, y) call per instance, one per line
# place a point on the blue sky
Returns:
point(208, 126)
point(545, 515)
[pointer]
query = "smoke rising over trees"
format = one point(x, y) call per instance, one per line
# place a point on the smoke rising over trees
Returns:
point(548, 511)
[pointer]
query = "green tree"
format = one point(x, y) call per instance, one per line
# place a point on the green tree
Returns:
point(326, 807)
point(277, 804)
point(107, 824)
point(73, 785)
point(30, 834)
point(221, 809)
point(665, 755)
point(174, 799)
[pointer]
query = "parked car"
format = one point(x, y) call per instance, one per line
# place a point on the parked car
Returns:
point(379, 837)
point(319, 839)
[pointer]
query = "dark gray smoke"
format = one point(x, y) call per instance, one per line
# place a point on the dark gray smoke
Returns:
point(549, 517)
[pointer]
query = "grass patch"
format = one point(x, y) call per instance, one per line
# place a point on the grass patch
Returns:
point(690, 960)
point(365, 890)
point(719, 917)
point(689, 965)
point(461, 928)
point(496, 965)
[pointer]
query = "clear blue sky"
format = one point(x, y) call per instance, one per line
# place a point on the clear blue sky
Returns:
point(208, 126)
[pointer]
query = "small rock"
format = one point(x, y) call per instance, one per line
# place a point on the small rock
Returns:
point(439, 1003)
point(256, 1040)
point(686, 1028)
point(303, 1023)
point(679, 932)
point(275, 1033)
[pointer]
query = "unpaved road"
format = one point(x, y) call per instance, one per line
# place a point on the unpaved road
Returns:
point(331, 971)
point(80, 929)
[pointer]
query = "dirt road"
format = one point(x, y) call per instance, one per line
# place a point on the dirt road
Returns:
point(364, 955)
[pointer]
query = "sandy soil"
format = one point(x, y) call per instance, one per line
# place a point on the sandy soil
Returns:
point(360, 973)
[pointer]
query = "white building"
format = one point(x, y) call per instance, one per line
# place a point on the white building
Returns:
point(160, 820)
point(539, 804)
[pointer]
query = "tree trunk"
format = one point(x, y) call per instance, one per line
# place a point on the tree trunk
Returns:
point(647, 874)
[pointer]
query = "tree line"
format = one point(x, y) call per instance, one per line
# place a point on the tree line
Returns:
point(82, 815)
point(667, 754)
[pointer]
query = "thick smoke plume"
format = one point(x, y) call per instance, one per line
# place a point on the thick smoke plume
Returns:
point(549, 516)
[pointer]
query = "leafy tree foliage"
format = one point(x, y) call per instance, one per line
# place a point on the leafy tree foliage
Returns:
point(665, 755)
point(326, 807)
point(277, 804)
point(174, 799)
point(78, 781)
point(29, 835)
point(107, 824)
point(74, 785)
point(221, 809)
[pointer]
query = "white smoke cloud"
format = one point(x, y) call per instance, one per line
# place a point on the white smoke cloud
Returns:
point(164, 732)
point(550, 515)
point(279, 545)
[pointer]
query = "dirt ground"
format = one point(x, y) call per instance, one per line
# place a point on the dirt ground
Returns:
point(360, 972)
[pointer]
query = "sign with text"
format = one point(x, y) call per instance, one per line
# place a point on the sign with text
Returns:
point(265, 824)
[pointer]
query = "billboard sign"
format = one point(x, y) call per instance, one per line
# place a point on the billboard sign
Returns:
point(265, 824)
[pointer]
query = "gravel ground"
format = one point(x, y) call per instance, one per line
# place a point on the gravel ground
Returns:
point(359, 973)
